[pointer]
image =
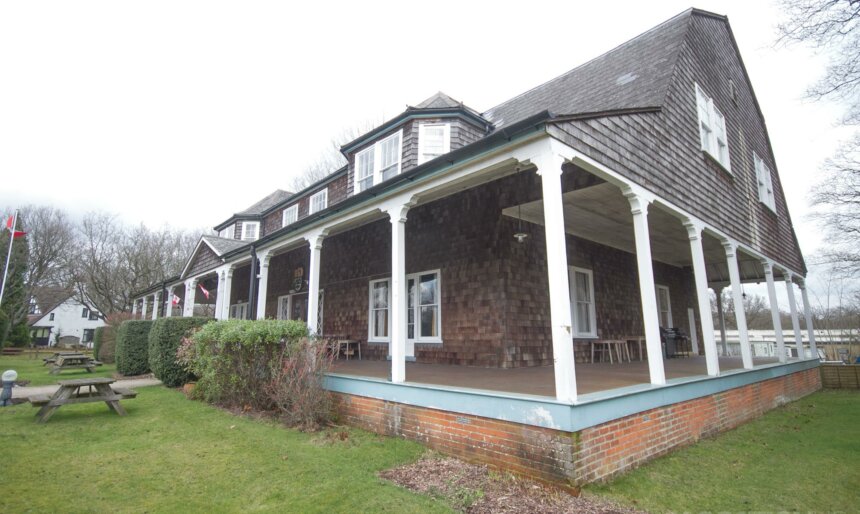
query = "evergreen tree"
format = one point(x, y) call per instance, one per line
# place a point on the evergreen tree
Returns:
point(14, 309)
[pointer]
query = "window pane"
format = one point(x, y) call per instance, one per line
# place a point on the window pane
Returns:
point(583, 294)
point(428, 289)
point(583, 317)
point(380, 295)
point(429, 321)
point(365, 164)
point(380, 323)
point(434, 140)
point(365, 183)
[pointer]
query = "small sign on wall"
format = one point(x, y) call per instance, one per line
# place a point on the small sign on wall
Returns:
point(298, 279)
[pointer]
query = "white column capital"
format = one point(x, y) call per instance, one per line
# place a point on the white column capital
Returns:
point(315, 238)
point(694, 228)
point(788, 276)
point(264, 256)
point(731, 248)
point(639, 199)
point(768, 266)
point(548, 164)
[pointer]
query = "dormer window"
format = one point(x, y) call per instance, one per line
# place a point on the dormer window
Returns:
point(228, 233)
point(290, 215)
point(378, 162)
point(765, 183)
point(434, 139)
point(712, 129)
point(319, 201)
point(250, 230)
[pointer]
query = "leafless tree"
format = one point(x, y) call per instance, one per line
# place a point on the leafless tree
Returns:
point(756, 308)
point(330, 158)
point(833, 28)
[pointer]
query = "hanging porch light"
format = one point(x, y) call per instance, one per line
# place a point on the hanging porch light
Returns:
point(520, 236)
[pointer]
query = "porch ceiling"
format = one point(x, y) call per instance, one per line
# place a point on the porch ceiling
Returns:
point(600, 213)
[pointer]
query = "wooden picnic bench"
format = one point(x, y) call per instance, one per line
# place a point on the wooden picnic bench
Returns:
point(61, 361)
point(70, 392)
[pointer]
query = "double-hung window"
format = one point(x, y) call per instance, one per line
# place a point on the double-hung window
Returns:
point(423, 308)
point(664, 304)
point(434, 139)
point(584, 316)
point(765, 183)
point(319, 201)
point(85, 313)
point(228, 233)
point(290, 215)
point(378, 162)
point(712, 129)
point(250, 230)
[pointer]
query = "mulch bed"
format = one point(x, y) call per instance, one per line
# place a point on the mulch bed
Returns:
point(476, 490)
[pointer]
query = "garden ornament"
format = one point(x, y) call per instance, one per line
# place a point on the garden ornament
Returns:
point(9, 377)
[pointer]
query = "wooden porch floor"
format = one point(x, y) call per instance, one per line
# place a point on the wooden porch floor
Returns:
point(539, 381)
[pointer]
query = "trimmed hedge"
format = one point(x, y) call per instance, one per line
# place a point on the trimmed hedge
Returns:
point(164, 339)
point(97, 341)
point(132, 347)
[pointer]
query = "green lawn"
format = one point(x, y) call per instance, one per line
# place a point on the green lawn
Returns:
point(802, 457)
point(33, 370)
point(171, 454)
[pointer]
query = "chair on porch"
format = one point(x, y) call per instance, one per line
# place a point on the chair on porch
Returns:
point(675, 342)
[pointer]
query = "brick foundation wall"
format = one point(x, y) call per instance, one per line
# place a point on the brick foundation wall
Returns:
point(574, 458)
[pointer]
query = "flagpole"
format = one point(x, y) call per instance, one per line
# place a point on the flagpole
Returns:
point(8, 255)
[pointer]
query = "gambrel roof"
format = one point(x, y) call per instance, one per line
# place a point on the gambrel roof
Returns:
point(634, 75)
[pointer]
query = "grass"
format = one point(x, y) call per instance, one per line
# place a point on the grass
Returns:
point(802, 457)
point(33, 370)
point(171, 454)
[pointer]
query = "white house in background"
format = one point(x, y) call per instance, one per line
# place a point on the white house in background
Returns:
point(70, 321)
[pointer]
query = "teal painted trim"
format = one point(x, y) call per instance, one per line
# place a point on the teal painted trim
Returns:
point(591, 409)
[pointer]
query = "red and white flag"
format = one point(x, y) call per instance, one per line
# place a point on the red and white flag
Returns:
point(204, 291)
point(176, 300)
point(11, 228)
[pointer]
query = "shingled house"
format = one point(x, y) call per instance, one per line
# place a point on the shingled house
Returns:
point(478, 260)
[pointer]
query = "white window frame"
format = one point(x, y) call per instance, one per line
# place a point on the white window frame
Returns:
point(313, 200)
point(293, 212)
point(229, 232)
point(370, 318)
point(239, 310)
point(245, 225)
point(764, 180)
point(713, 134)
point(668, 310)
point(422, 138)
point(418, 337)
point(574, 303)
point(377, 161)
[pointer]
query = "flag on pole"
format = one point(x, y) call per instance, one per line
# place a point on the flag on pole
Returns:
point(10, 226)
point(204, 291)
point(175, 300)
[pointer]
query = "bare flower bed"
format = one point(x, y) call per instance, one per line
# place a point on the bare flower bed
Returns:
point(477, 490)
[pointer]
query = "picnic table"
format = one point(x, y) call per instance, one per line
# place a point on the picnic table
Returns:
point(70, 392)
point(61, 361)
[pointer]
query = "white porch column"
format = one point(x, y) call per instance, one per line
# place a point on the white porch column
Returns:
point(549, 169)
point(650, 314)
point(168, 304)
point(807, 313)
point(219, 293)
point(154, 306)
point(134, 307)
point(143, 308)
point(262, 287)
point(795, 321)
point(774, 311)
point(397, 214)
point(694, 232)
point(721, 317)
point(740, 314)
point(190, 293)
point(227, 290)
point(315, 241)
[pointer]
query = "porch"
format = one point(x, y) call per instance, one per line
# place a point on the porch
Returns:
point(539, 380)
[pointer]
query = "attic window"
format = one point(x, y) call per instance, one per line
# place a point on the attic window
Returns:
point(290, 215)
point(712, 129)
point(378, 162)
point(319, 201)
point(228, 233)
point(765, 183)
point(250, 230)
point(434, 139)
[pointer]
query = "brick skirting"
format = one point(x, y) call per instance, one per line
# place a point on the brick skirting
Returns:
point(575, 458)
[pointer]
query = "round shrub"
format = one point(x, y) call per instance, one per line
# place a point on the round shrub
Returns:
point(132, 347)
point(164, 339)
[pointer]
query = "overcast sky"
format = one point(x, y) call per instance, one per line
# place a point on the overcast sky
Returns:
point(184, 112)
